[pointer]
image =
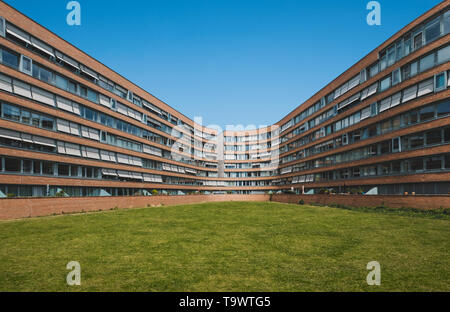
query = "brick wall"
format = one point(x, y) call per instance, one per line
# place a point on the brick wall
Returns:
point(393, 201)
point(35, 207)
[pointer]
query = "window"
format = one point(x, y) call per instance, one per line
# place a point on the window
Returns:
point(26, 65)
point(443, 55)
point(42, 74)
point(433, 30)
point(26, 166)
point(418, 41)
point(25, 117)
point(374, 109)
point(10, 59)
point(11, 112)
point(446, 21)
point(443, 108)
point(440, 81)
point(408, 45)
point(63, 170)
point(61, 82)
point(416, 141)
point(396, 147)
point(2, 27)
point(396, 77)
point(47, 168)
point(47, 123)
point(434, 137)
point(12, 165)
point(427, 62)
point(433, 163)
point(416, 164)
point(385, 147)
point(427, 113)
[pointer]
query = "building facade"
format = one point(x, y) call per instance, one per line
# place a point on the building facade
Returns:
point(70, 126)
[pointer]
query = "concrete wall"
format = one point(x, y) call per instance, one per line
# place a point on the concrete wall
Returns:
point(35, 207)
point(393, 201)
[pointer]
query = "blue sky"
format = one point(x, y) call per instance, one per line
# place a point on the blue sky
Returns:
point(231, 62)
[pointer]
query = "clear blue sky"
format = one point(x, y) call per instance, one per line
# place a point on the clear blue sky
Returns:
point(229, 61)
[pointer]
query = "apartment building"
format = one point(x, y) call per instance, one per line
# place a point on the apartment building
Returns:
point(70, 126)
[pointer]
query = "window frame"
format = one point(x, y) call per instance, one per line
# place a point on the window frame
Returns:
point(436, 88)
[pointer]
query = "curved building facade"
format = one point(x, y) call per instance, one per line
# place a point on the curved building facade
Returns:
point(70, 126)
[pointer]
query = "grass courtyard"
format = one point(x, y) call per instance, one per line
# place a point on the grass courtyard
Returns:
point(234, 246)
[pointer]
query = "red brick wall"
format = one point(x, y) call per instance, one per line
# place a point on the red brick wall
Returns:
point(393, 201)
point(35, 207)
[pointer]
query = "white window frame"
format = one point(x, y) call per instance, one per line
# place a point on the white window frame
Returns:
point(130, 96)
point(436, 89)
point(23, 70)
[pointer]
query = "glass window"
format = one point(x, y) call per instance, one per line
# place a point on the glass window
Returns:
point(36, 167)
point(427, 62)
point(47, 168)
point(416, 164)
point(72, 87)
point(447, 22)
point(42, 74)
point(416, 141)
point(408, 46)
point(440, 82)
point(26, 117)
point(434, 137)
point(47, 123)
point(385, 147)
point(92, 96)
point(447, 134)
point(427, 113)
point(418, 41)
point(11, 112)
point(26, 166)
point(433, 31)
point(386, 126)
point(10, 59)
point(433, 163)
point(12, 165)
point(63, 170)
point(443, 108)
point(395, 77)
point(61, 82)
point(35, 120)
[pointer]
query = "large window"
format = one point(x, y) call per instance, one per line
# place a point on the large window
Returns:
point(433, 30)
point(10, 59)
point(11, 112)
point(12, 165)
point(443, 108)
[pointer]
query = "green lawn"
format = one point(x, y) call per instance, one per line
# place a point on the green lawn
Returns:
point(226, 247)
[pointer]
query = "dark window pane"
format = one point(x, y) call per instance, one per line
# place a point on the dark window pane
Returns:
point(416, 164)
point(434, 137)
point(12, 165)
point(416, 141)
point(63, 170)
point(443, 108)
point(427, 113)
point(434, 163)
point(10, 59)
point(47, 168)
point(11, 112)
